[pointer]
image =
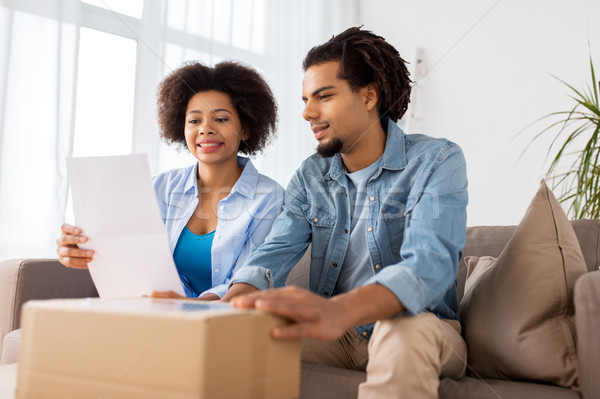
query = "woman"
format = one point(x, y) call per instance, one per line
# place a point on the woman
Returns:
point(220, 209)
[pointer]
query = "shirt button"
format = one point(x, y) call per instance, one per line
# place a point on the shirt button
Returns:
point(370, 229)
point(222, 207)
point(315, 220)
point(216, 270)
point(372, 198)
point(326, 293)
point(377, 266)
point(364, 333)
point(335, 265)
point(346, 231)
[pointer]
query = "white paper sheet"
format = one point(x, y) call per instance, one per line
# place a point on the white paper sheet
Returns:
point(115, 206)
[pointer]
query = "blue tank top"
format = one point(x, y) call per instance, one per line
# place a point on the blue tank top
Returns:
point(192, 257)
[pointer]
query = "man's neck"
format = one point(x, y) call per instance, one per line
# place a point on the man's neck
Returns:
point(368, 149)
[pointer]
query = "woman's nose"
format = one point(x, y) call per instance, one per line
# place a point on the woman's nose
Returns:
point(206, 128)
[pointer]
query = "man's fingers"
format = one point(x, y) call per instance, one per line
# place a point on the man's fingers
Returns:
point(292, 331)
point(244, 301)
point(297, 309)
point(249, 300)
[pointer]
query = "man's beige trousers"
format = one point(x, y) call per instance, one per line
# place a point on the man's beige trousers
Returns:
point(405, 357)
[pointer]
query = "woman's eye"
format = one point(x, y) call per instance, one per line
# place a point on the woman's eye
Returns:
point(193, 121)
point(221, 119)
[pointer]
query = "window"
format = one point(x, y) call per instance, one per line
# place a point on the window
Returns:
point(133, 8)
point(123, 57)
point(105, 94)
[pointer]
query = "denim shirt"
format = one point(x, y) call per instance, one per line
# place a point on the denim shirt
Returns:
point(245, 216)
point(416, 219)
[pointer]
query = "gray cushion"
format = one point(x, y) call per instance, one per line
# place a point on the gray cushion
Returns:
point(10, 350)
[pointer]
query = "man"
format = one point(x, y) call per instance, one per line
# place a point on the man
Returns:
point(385, 213)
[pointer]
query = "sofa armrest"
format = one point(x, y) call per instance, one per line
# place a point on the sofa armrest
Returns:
point(587, 319)
point(25, 279)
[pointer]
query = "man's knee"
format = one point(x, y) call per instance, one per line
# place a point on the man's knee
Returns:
point(412, 331)
point(420, 338)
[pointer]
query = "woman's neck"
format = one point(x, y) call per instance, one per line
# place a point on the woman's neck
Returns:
point(218, 176)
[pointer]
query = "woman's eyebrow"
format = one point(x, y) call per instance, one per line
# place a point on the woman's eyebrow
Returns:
point(214, 111)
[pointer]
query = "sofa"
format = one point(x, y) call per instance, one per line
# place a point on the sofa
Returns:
point(25, 279)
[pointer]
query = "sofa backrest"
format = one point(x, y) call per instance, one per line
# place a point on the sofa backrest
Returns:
point(491, 240)
point(487, 241)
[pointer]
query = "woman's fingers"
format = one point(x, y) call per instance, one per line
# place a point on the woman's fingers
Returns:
point(75, 263)
point(166, 294)
point(69, 254)
point(74, 252)
point(69, 239)
point(69, 229)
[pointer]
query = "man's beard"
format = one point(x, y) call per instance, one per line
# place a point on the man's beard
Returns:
point(330, 148)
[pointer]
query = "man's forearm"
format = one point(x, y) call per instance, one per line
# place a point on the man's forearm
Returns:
point(238, 289)
point(367, 304)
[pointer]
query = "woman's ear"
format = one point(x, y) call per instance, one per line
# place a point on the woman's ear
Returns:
point(371, 95)
point(245, 133)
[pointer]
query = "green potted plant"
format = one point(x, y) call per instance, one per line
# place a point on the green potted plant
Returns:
point(579, 182)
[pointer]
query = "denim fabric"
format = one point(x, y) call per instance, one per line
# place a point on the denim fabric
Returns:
point(416, 224)
point(245, 216)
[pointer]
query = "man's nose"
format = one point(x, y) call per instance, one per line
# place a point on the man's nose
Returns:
point(309, 112)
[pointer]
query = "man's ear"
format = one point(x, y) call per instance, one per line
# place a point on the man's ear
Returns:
point(371, 95)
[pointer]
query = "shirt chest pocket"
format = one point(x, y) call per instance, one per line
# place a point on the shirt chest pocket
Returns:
point(322, 223)
point(394, 218)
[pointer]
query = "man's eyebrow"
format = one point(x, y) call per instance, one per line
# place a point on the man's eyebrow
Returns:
point(319, 90)
point(214, 111)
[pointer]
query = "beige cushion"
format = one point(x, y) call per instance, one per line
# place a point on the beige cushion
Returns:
point(476, 266)
point(518, 315)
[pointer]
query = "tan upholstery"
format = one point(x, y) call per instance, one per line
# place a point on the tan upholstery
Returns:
point(518, 317)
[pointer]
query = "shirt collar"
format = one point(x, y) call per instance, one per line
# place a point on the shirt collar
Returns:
point(245, 185)
point(394, 155)
point(248, 181)
point(191, 183)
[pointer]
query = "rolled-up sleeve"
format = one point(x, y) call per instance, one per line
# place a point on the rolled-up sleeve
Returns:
point(287, 241)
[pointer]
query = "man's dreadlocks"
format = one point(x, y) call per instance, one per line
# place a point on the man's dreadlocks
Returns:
point(366, 58)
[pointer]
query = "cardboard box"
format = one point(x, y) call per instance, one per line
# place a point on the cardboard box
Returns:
point(152, 348)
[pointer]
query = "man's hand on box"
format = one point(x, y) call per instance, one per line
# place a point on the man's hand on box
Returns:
point(322, 318)
point(69, 253)
point(311, 315)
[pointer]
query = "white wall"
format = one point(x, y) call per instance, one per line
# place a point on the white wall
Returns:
point(486, 86)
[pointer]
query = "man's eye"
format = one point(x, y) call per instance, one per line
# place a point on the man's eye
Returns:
point(324, 96)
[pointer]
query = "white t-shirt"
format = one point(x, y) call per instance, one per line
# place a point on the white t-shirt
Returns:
point(356, 268)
